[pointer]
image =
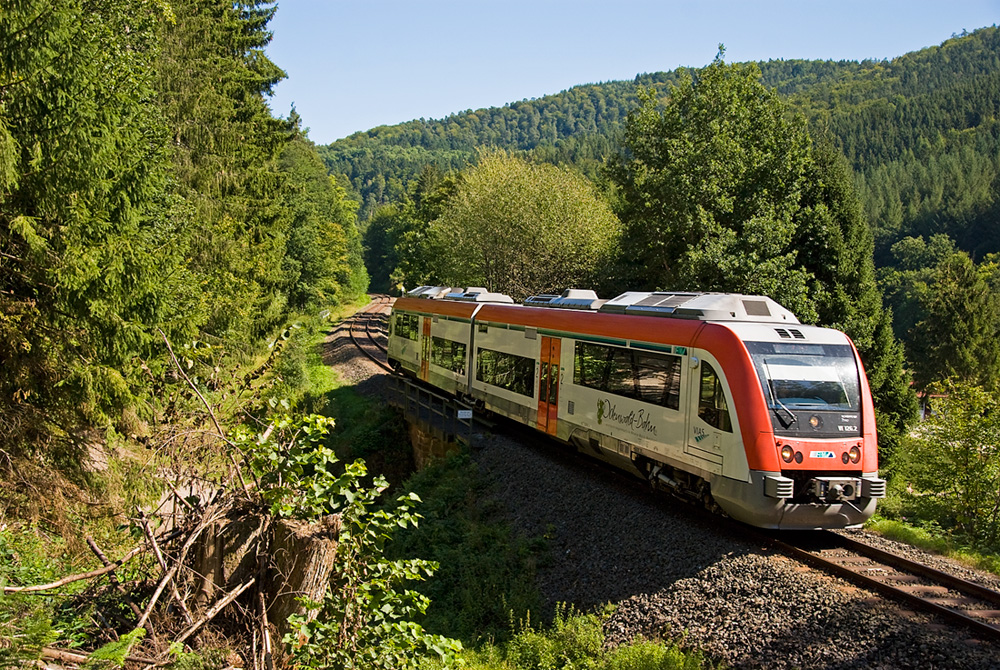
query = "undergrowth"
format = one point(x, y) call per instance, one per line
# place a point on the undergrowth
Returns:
point(54, 497)
point(575, 641)
point(486, 573)
point(484, 590)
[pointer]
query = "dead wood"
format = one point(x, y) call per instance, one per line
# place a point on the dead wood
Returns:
point(66, 656)
point(166, 570)
point(112, 577)
point(302, 555)
point(214, 610)
point(111, 567)
point(210, 515)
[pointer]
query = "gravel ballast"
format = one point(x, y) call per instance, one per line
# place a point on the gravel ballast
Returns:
point(672, 575)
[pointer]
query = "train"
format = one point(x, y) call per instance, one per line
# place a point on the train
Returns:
point(725, 399)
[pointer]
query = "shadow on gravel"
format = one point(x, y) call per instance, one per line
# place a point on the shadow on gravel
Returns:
point(609, 537)
point(674, 573)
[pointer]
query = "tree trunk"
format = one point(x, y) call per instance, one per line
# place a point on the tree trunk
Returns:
point(302, 556)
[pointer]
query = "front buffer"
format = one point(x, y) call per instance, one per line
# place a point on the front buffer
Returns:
point(772, 500)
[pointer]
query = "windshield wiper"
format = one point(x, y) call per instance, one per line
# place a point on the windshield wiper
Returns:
point(770, 384)
point(777, 413)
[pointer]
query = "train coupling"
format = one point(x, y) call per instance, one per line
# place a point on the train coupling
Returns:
point(832, 489)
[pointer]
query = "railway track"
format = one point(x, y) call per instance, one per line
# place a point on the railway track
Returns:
point(366, 328)
point(952, 598)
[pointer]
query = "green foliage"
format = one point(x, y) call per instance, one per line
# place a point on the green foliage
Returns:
point(26, 627)
point(575, 641)
point(26, 622)
point(367, 618)
point(322, 263)
point(906, 282)
point(957, 336)
point(296, 469)
point(213, 78)
point(919, 130)
point(112, 654)
point(486, 573)
point(574, 127)
point(951, 464)
point(141, 190)
point(84, 275)
point(520, 228)
point(711, 183)
point(929, 536)
point(723, 190)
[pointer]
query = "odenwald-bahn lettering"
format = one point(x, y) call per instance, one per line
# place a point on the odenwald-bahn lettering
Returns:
point(637, 420)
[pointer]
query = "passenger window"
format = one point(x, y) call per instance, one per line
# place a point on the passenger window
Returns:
point(652, 378)
point(508, 371)
point(448, 354)
point(408, 326)
point(712, 407)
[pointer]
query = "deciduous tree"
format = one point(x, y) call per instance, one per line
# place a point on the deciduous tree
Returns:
point(723, 189)
point(522, 229)
point(711, 181)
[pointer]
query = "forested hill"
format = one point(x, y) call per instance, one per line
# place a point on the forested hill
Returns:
point(920, 130)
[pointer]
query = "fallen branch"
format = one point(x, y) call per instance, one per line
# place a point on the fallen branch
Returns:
point(112, 577)
point(214, 610)
point(111, 567)
point(163, 566)
point(267, 655)
point(206, 519)
point(178, 495)
point(78, 658)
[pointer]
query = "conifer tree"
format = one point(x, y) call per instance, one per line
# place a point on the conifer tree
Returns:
point(836, 246)
point(322, 263)
point(213, 82)
point(958, 336)
point(87, 264)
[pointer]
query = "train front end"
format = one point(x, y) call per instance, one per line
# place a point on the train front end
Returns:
point(813, 455)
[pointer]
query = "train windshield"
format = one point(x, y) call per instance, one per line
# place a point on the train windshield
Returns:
point(807, 376)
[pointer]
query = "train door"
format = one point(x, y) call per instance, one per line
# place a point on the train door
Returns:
point(548, 384)
point(709, 418)
point(425, 350)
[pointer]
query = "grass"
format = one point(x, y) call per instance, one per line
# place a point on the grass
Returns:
point(486, 574)
point(936, 540)
point(484, 594)
point(575, 641)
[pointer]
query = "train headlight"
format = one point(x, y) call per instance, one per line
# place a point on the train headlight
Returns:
point(815, 421)
point(855, 454)
point(787, 454)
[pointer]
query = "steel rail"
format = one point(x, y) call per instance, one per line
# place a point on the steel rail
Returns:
point(378, 303)
point(988, 625)
point(368, 331)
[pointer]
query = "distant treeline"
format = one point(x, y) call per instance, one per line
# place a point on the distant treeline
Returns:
point(920, 132)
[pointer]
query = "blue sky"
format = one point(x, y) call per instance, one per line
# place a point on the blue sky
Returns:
point(353, 65)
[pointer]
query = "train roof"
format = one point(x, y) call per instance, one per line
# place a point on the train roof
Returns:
point(698, 306)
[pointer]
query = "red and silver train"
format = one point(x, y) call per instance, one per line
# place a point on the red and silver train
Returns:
point(724, 398)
